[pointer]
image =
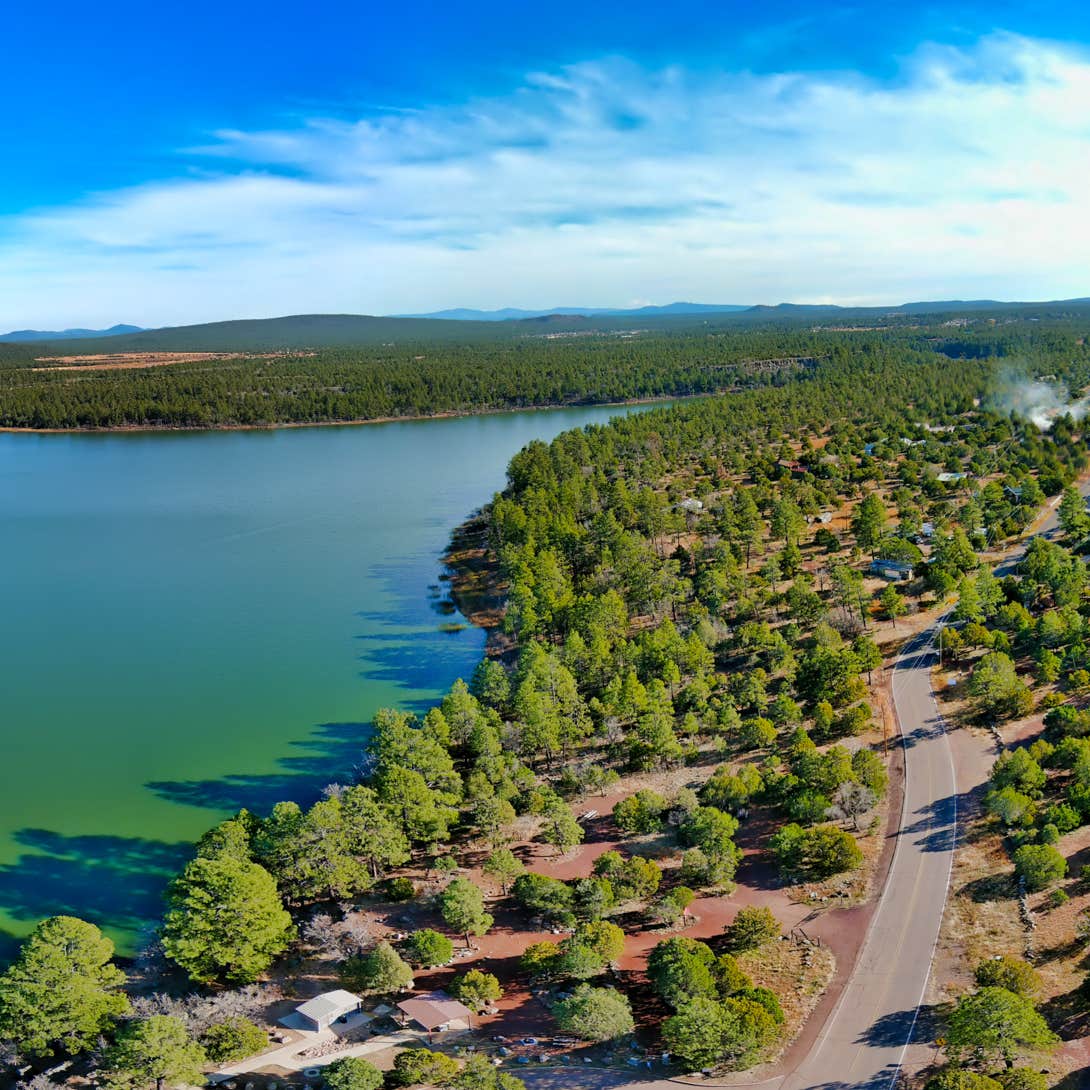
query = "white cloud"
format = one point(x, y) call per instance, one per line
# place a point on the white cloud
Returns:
point(599, 183)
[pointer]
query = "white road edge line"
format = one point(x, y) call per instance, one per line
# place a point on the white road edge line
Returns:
point(953, 847)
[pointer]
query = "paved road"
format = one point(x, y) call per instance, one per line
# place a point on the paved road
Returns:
point(864, 1040)
point(863, 1043)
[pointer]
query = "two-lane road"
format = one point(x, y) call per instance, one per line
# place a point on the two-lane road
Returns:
point(864, 1040)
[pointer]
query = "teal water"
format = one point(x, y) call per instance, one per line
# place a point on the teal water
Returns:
point(194, 622)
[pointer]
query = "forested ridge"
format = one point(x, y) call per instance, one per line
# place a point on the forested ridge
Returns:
point(489, 369)
point(701, 596)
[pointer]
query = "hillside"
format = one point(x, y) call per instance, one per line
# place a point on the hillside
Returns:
point(467, 327)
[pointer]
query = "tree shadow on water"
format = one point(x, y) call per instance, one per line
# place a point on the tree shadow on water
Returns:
point(114, 881)
point(334, 753)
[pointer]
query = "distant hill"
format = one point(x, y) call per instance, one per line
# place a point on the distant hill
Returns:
point(508, 314)
point(943, 306)
point(25, 335)
point(318, 331)
point(296, 331)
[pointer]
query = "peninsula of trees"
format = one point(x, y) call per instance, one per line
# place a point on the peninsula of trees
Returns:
point(697, 596)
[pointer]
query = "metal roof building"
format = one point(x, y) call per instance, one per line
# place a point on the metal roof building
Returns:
point(323, 1010)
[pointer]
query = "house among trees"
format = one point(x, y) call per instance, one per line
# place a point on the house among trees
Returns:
point(895, 571)
point(325, 1009)
point(795, 468)
point(692, 505)
point(436, 1012)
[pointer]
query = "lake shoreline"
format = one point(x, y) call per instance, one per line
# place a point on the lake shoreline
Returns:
point(351, 526)
point(477, 585)
point(447, 414)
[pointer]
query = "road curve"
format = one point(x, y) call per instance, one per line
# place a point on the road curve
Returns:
point(863, 1042)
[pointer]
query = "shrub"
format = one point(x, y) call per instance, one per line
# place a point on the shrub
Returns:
point(1064, 817)
point(352, 1073)
point(766, 998)
point(538, 959)
point(819, 852)
point(428, 948)
point(640, 813)
point(1008, 972)
point(399, 889)
point(476, 989)
point(1039, 865)
point(957, 1078)
point(422, 1066)
point(234, 1038)
point(751, 928)
point(595, 1014)
point(1019, 770)
point(1022, 1078)
point(1010, 806)
point(1049, 834)
point(548, 896)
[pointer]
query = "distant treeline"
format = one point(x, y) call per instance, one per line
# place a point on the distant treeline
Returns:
point(420, 378)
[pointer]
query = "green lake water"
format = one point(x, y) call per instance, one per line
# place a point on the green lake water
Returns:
point(194, 622)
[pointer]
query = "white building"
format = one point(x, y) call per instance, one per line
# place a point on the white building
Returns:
point(323, 1010)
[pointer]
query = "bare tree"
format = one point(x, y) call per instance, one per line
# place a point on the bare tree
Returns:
point(323, 934)
point(851, 800)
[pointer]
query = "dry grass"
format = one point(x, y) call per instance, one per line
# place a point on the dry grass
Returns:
point(125, 361)
point(799, 975)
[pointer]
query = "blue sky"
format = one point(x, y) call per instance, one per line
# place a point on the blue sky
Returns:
point(176, 163)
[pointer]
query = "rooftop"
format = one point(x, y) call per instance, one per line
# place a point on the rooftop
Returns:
point(434, 1009)
point(329, 1003)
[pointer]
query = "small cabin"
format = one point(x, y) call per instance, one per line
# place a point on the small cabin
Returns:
point(436, 1012)
point(893, 571)
point(325, 1009)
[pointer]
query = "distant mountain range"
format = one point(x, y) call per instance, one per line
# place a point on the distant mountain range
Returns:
point(514, 314)
point(68, 334)
point(463, 326)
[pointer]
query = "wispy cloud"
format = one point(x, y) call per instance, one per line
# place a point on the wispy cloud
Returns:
point(601, 182)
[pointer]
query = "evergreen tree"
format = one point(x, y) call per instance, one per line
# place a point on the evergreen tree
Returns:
point(155, 1050)
point(225, 921)
point(62, 991)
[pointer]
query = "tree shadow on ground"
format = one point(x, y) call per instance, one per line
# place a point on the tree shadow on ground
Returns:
point(113, 881)
point(896, 1029)
point(335, 751)
point(933, 827)
point(990, 887)
point(1075, 1080)
point(1067, 1014)
point(410, 650)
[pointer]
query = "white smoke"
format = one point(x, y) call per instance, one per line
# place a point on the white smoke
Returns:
point(1040, 400)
